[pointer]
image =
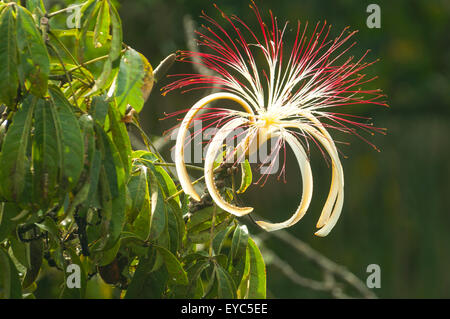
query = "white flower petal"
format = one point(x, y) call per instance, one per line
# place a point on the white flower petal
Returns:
point(214, 147)
point(337, 184)
point(183, 176)
point(307, 180)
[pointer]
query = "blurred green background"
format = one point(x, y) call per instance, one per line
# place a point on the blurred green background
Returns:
point(397, 209)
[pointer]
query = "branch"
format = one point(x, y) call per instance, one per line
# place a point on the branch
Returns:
point(329, 266)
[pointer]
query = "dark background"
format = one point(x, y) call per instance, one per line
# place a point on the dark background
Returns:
point(396, 211)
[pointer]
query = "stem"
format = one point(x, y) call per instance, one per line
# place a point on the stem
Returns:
point(211, 234)
point(69, 81)
point(50, 15)
point(198, 168)
point(71, 56)
point(92, 61)
point(147, 140)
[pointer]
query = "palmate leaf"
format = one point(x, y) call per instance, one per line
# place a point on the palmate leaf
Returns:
point(34, 61)
point(13, 156)
point(9, 79)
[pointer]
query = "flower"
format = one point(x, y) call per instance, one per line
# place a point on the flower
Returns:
point(284, 98)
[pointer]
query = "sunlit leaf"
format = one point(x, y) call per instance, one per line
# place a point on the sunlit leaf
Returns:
point(246, 172)
point(257, 275)
point(129, 82)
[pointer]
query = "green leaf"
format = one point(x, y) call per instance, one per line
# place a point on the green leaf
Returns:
point(71, 293)
point(129, 82)
point(9, 80)
point(113, 213)
point(34, 61)
point(147, 282)
point(120, 138)
point(10, 287)
point(177, 275)
point(35, 5)
point(239, 242)
point(246, 172)
point(112, 192)
point(158, 209)
point(35, 260)
point(47, 151)
point(176, 227)
point(166, 182)
point(257, 275)
point(117, 37)
point(71, 138)
point(114, 53)
point(101, 30)
point(99, 109)
point(226, 288)
point(138, 191)
point(13, 160)
point(220, 238)
point(7, 213)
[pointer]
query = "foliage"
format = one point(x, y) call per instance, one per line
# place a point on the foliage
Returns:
point(74, 191)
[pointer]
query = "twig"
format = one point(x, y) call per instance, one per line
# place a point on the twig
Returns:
point(323, 262)
point(328, 285)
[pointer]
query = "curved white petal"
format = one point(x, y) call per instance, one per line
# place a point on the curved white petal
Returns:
point(183, 176)
point(214, 147)
point(307, 180)
point(337, 183)
point(332, 196)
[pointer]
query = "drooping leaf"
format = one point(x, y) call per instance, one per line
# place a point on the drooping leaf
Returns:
point(158, 209)
point(9, 80)
point(7, 225)
point(13, 156)
point(120, 138)
point(71, 138)
point(101, 30)
point(177, 275)
point(239, 242)
point(34, 61)
point(99, 109)
point(147, 282)
point(10, 287)
point(226, 288)
point(35, 255)
point(257, 275)
point(138, 191)
point(112, 192)
point(220, 238)
point(47, 151)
